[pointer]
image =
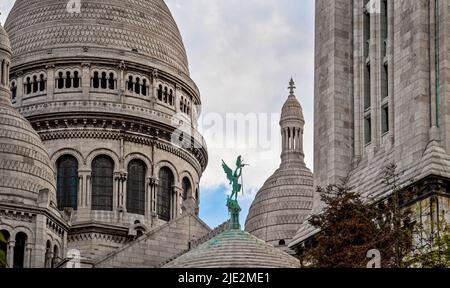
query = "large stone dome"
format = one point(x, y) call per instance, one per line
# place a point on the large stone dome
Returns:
point(234, 249)
point(286, 198)
point(25, 166)
point(139, 29)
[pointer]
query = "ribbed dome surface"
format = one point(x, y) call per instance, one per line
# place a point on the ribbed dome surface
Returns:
point(25, 166)
point(282, 204)
point(234, 249)
point(4, 40)
point(292, 110)
point(144, 25)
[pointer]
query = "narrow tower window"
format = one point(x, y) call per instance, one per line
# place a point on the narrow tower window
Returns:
point(136, 187)
point(102, 183)
point(76, 80)
point(96, 81)
point(166, 181)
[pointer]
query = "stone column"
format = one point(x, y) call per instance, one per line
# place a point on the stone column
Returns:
point(80, 198)
point(10, 254)
point(86, 79)
point(176, 97)
point(154, 95)
point(50, 82)
point(27, 257)
point(88, 190)
point(19, 84)
point(178, 192)
point(116, 190)
point(153, 187)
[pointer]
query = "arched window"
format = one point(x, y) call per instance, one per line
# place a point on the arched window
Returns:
point(55, 259)
point(60, 80)
point(68, 80)
point(13, 91)
point(35, 84)
point(111, 81)
point(96, 80)
point(19, 250)
point(48, 253)
point(104, 81)
point(166, 181)
point(28, 85)
point(144, 87)
point(160, 93)
point(136, 187)
point(102, 183)
point(166, 94)
point(137, 86)
point(76, 80)
point(67, 182)
point(42, 83)
point(4, 246)
point(187, 188)
point(130, 83)
point(171, 97)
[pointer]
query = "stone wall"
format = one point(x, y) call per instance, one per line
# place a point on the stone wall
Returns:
point(158, 245)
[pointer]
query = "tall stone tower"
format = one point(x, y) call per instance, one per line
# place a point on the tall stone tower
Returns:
point(34, 229)
point(285, 200)
point(381, 91)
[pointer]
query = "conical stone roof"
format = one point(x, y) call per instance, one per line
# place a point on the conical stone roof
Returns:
point(286, 198)
point(235, 249)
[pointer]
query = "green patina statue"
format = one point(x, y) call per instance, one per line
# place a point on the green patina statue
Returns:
point(232, 202)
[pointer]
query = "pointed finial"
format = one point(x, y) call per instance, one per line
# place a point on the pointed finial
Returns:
point(292, 87)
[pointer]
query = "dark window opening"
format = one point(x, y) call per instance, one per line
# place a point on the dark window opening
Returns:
point(111, 82)
point(165, 94)
point(385, 119)
point(68, 80)
point(60, 80)
point(368, 130)
point(103, 81)
point(42, 83)
point(76, 80)
point(35, 84)
point(130, 83)
point(137, 86)
point(28, 85)
point(171, 97)
point(136, 187)
point(67, 182)
point(19, 250)
point(282, 242)
point(166, 181)
point(102, 183)
point(160, 93)
point(144, 87)
point(96, 81)
point(187, 188)
point(13, 91)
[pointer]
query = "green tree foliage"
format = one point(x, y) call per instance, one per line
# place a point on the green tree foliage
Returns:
point(351, 226)
point(3, 263)
point(431, 246)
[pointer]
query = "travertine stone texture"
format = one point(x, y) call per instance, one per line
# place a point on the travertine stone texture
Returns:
point(235, 249)
point(286, 198)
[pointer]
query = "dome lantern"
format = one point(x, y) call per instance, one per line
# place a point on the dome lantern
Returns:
point(286, 198)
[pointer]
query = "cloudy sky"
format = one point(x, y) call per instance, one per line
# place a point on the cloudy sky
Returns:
point(242, 55)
